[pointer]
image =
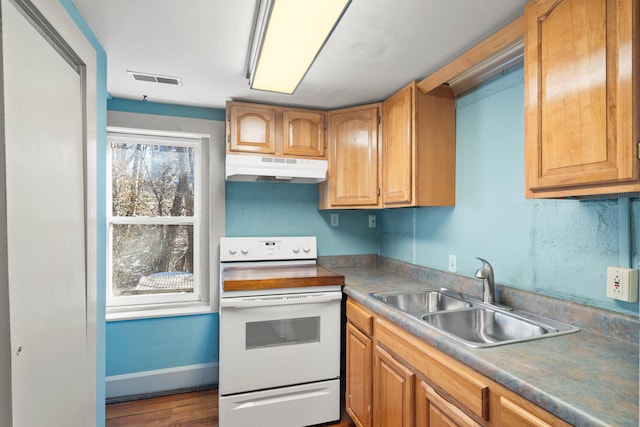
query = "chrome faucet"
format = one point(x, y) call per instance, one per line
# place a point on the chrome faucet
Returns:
point(486, 274)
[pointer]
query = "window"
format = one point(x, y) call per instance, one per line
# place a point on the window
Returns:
point(156, 247)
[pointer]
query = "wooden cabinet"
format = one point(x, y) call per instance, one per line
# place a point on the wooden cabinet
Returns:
point(414, 163)
point(415, 384)
point(251, 128)
point(419, 148)
point(581, 97)
point(466, 388)
point(359, 364)
point(512, 414)
point(303, 133)
point(277, 131)
point(393, 391)
point(397, 153)
point(432, 410)
point(352, 143)
point(358, 383)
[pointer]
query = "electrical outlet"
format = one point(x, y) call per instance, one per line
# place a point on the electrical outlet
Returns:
point(372, 221)
point(334, 219)
point(622, 283)
point(452, 263)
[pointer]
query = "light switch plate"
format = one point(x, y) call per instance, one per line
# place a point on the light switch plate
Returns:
point(334, 220)
point(622, 283)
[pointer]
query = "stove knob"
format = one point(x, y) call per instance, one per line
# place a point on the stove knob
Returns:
point(244, 249)
point(296, 249)
point(233, 249)
point(306, 249)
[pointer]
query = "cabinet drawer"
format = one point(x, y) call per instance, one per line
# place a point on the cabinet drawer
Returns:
point(360, 317)
point(512, 414)
point(455, 379)
point(432, 409)
point(515, 411)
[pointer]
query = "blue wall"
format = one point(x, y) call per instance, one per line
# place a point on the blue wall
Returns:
point(131, 106)
point(147, 344)
point(270, 209)
point(559, 248)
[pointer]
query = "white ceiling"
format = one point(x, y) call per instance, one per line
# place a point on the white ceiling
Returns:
point(378, 47)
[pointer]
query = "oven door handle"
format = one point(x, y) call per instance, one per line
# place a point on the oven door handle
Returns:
point(271, 300)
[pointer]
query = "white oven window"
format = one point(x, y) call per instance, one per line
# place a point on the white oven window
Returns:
point(282, 332)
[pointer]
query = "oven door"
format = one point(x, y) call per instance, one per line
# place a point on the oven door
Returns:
point(276, 340)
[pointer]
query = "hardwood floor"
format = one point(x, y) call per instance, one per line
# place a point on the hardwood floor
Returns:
point(199, 408)
point(192, 409)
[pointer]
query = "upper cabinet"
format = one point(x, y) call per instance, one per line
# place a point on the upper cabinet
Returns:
point(277, 131)
point(419, 148)
point(581, 97)
point(352, 143)
point(251, 128)
point(411, 164)
point(303, 133)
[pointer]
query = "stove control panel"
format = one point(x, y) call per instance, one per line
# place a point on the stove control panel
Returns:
point(267, 248)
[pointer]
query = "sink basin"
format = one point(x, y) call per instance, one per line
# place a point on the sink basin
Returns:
point(485, 327)
point(418, 303)
point(472, 322)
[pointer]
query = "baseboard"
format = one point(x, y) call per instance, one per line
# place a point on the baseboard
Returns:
point(161, 380)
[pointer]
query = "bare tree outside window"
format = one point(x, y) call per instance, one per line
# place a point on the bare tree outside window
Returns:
point(152, 218)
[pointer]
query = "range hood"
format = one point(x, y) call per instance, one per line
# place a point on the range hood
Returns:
point(250, 168)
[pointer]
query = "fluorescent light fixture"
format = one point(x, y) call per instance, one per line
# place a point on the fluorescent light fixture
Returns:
point(287, 37)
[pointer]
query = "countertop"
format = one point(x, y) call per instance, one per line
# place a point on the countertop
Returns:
point(584, 378)
point(297, 276)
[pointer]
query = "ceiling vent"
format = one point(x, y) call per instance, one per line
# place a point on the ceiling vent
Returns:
point(154, 78)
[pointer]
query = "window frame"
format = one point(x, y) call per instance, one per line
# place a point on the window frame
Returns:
point(197, 301)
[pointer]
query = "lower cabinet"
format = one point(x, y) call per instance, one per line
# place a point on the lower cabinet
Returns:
point(433, 410)
point(513, 414)
point(393, 391)
point(396, 380)
point(359, 378)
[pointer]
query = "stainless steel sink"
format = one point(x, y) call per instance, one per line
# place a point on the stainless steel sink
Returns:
point(418, 303)
point(472, 322)
point(486, 327)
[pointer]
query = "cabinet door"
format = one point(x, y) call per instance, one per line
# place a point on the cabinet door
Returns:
point(580, 128)
point(353, 157)
point(303, 133)
point(252, 129)
point(397, 157)
point(393, 392)
point(358, 382)
point(432, 410)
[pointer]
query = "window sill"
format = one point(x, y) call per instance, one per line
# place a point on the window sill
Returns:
point(157, 310)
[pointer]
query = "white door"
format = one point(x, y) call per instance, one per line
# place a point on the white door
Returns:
point(45, 193)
